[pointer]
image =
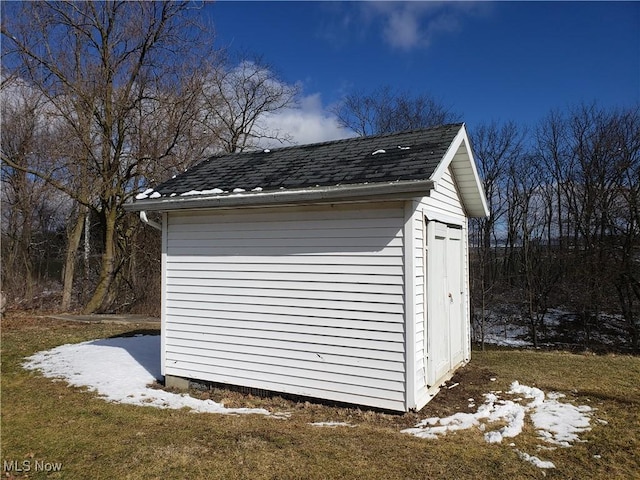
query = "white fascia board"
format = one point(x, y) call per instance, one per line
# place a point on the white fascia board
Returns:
point(473, 199)
point(484, 210)
point(387, 191)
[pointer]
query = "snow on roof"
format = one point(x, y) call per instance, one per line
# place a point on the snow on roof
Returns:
point(145, 194)
point(412, 155)
point(211, 191)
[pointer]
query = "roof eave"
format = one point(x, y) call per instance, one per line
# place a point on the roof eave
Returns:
point(345, 193)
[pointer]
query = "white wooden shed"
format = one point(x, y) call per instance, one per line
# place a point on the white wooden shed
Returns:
point(336, 271)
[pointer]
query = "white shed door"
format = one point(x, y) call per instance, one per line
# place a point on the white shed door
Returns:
point(445, 330)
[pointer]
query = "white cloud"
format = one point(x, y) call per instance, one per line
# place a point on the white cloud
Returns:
point(308, 122)
point(402, 29)
point(408, 25)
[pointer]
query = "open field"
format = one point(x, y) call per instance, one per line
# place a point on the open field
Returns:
point(47, 422)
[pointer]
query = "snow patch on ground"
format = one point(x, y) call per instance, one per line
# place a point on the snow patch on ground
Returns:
point(535, 461)
point(506, 342)
point(120, 370)
point(556, 422)
point(332, 424)
point(561, 423)
point(507, 327)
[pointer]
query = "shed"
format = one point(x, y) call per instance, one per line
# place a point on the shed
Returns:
point(336, 270)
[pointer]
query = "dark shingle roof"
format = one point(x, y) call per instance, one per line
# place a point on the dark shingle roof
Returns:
point(341, 162)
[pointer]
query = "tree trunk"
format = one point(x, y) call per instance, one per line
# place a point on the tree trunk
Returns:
point(27, 259)
point(73, 242)
point(87, 244)
point(28, 275)
point(107, 269)
point(482, 317)
point(533, 321)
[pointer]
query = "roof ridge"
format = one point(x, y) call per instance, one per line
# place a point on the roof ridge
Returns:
point(341, 140)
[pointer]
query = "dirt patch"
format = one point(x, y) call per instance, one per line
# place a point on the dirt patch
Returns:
point(460, 394)
point(465, 388)
point(20, 320)
point(118, 319)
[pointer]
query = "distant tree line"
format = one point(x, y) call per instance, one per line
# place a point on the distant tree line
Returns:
point(564, 230)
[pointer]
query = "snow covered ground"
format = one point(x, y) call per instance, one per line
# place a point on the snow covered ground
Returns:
point(557, 423)
point(332, 424)
point(505, 326)
point(122, 369)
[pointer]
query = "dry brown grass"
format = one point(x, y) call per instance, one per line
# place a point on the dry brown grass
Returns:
point(49, 421)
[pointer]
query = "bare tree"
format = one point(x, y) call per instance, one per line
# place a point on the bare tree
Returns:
point(621, 214)
point(626, 219)
point(236, 100)
point(552, 150)
point(25, 137)
point(496, 148)
point(100, 65)
point(535, 271)
point(590, 156)
point(385, 110)
point(565, 229)
point(591, 193)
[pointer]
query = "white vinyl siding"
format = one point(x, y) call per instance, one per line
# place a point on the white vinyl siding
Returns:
point(420, 288)
point(444, 200)
point(307, 301)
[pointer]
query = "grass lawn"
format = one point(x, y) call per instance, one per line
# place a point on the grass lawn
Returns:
point(49, 422)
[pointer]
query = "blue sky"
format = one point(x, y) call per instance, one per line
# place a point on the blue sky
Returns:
point(488, 61)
